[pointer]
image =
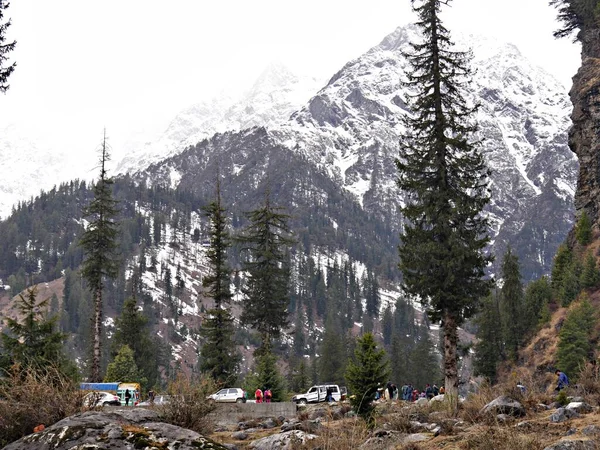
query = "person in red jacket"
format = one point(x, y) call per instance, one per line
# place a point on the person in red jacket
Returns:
point(258, 395)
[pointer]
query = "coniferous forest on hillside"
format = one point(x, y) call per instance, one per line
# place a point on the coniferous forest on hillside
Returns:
point(265, 278)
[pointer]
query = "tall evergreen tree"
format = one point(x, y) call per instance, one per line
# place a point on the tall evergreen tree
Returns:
point(332, 361)
point(443, 174)
point(583, 229)
point(574, 346)
point(5, 48)
point(219, 356)
point(488, 349)
point(131, 329)
point(561, 263)
point(266, 241)
point(511, 304)
point(124, 368)
point(537, 296)
point(590, 276)
point(576, 15)
point(365, 373)
point(99, 242)
point(34, 341)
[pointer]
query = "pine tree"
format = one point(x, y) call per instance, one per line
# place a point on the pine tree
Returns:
point(387, 326)
point(266, 241)
point(368, 371)
point(561, 264)
point(590, 276)
point(583, 229)
point(99, 242)
point(424, 361)
point(332, 361)
point(576, 15)
point(574, 346)
point(571, 286)
point(488, 349)
point(123, 368)
point(131, 329)
point(443, 174)
point(300, 377)
point(511, 304)
point(219, 356)
point(34, 342)
point(373, 300)
point(5, 49)
point(537, 296)
point(268, 376)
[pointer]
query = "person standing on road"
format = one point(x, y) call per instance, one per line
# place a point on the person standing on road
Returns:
point(127, 397)
point(258, 395)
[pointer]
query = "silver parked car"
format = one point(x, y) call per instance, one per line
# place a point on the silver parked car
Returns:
point(94, 399)
point(229, 395)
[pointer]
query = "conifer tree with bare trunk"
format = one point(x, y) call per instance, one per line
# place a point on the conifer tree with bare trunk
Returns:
point(5, 48)
point(442, 171)
point(99, 242)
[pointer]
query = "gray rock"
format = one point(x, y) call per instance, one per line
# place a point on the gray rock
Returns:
point(282, 441)
point(591, 430)
point(381, 440)
point(240, 435)
point(437, 398)
point(503, 418)
point(504, 405)
point(422, 402)
point(269, 423)
point(115, 429)
point(562, 414)
point(580, 407)
point(415, 437)
point(572, 444)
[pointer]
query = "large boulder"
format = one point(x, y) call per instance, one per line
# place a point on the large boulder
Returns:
point(572, 444)
point(504, 405)
point(579, 407)
point(116, 429)
point(282, 441)
point(562, 414)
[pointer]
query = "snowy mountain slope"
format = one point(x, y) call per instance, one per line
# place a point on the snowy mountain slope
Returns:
point(273, 97)
point(39, 159)
point(350, 131)
point(35, 160)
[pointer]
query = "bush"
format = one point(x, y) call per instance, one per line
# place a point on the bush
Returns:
point(189, 406)
point(29, 398)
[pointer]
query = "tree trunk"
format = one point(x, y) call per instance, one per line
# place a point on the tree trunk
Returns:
point(96, 338)
point(450, 360)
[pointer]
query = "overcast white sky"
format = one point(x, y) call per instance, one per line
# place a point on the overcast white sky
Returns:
point(83, 65)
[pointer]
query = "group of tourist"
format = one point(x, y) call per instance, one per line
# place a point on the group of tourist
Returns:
point(412, 394)
point(407, 392)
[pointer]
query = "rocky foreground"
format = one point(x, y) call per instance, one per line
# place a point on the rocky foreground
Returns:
point(117, 429)
point(504, 423)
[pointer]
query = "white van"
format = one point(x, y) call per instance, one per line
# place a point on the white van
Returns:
point(318, 394)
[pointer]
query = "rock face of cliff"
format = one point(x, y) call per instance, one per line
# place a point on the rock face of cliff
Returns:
point(584, 136)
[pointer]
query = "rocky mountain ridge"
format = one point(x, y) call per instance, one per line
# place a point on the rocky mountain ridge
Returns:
point(349, 132)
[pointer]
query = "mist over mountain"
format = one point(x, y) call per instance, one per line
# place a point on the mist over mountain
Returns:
point(349, 132)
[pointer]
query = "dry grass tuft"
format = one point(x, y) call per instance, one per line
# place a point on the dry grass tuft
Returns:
point(188, 406)
point(340, 435)
point(496, 438)
point(29, 398)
